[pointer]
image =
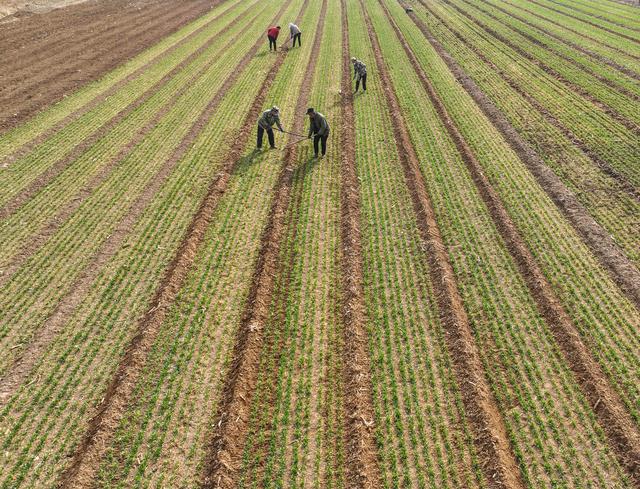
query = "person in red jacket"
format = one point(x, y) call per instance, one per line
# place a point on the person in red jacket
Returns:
point(272, 34)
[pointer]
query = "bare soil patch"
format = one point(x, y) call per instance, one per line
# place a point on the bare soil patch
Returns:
point(49, 55)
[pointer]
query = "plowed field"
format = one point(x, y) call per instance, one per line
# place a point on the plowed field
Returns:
point(450, 298)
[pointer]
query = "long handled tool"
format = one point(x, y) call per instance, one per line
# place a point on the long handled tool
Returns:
point(294, 143)
point(295, 134)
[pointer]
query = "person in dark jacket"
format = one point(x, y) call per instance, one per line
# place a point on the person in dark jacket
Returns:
point(319, 129)
point(272, 34)
point(265, 123)
point(359, 73)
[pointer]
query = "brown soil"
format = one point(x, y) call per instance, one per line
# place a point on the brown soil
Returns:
point(622, 432)
point(595, 237)
point(592, 24)
point(569, 85)
point(603, 59)
point(229, 437)
point(67, 56)
point(22, 365)
point(54, 170)
point(87, 456)
point(490, 435)
point(361, 459)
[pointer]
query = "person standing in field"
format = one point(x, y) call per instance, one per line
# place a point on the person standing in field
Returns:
point(266, 122)
point(319, 128)
point(272, 34)
point(295, 34)
point(359, 73)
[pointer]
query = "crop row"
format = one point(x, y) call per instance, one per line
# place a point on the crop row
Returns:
point(64, 255)
point(102, 119)
point(566, 33)
point(546, 415)
point(194, 346)
point(588, 126)
point(63, 384)
point(604, 197)
point(605, 319)
point(61, 197)
point(109, 84)
point(421, 428)
point(609, 10)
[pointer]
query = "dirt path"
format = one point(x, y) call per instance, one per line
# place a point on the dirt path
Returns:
point(615, 421)
point(490, 433)
point(101, 428)
point(593, 234)
point(45, 82)
point(362, 463)
point(226, 449)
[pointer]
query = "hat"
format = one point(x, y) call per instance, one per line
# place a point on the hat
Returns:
point(275, 109)
point(353, 60)
point(310, 110)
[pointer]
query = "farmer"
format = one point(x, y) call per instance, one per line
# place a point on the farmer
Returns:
point(295, 34)
point(266, 121)
point(359, 73)
point(319, 128)
point(272, 34)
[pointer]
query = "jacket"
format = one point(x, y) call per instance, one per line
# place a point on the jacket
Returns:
point(319, 125)
point(268, 119)
point(273, 32)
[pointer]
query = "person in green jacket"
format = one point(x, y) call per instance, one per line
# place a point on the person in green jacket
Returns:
point(319, 129)
point(265, 122)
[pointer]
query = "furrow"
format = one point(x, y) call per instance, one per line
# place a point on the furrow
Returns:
point(621, 268)
point(599, 17)
point(568, 84)
point(26, 147)
point(362, 463)
point(490, 434)
point(88, 455)
point(615, 421)
point(54, 170)
point(597, 56)
point(227, 446)
point(603, 165)
point(588, 22)
point(23, 365)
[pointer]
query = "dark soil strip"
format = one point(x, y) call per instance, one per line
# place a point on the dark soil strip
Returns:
point(581, 34)
point(225, 452)
point(52, 172)
point(616, 422)
point(489, 431)
point(603, 165)
point(568, 84)
point(596, 16)
point(622, 270)
point(603, 59)
point(85, 40)
point(611, 84)
point(50, 228)
point(25, 148)
point(87, 457)
point(28, 89)
point(117, 50)
point(361, 451)
point(592, 24)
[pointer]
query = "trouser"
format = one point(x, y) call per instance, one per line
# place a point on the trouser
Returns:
point(364, 82)
point(272, 42)
point(320, 139)
point(296, 36)
point(272, 142)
